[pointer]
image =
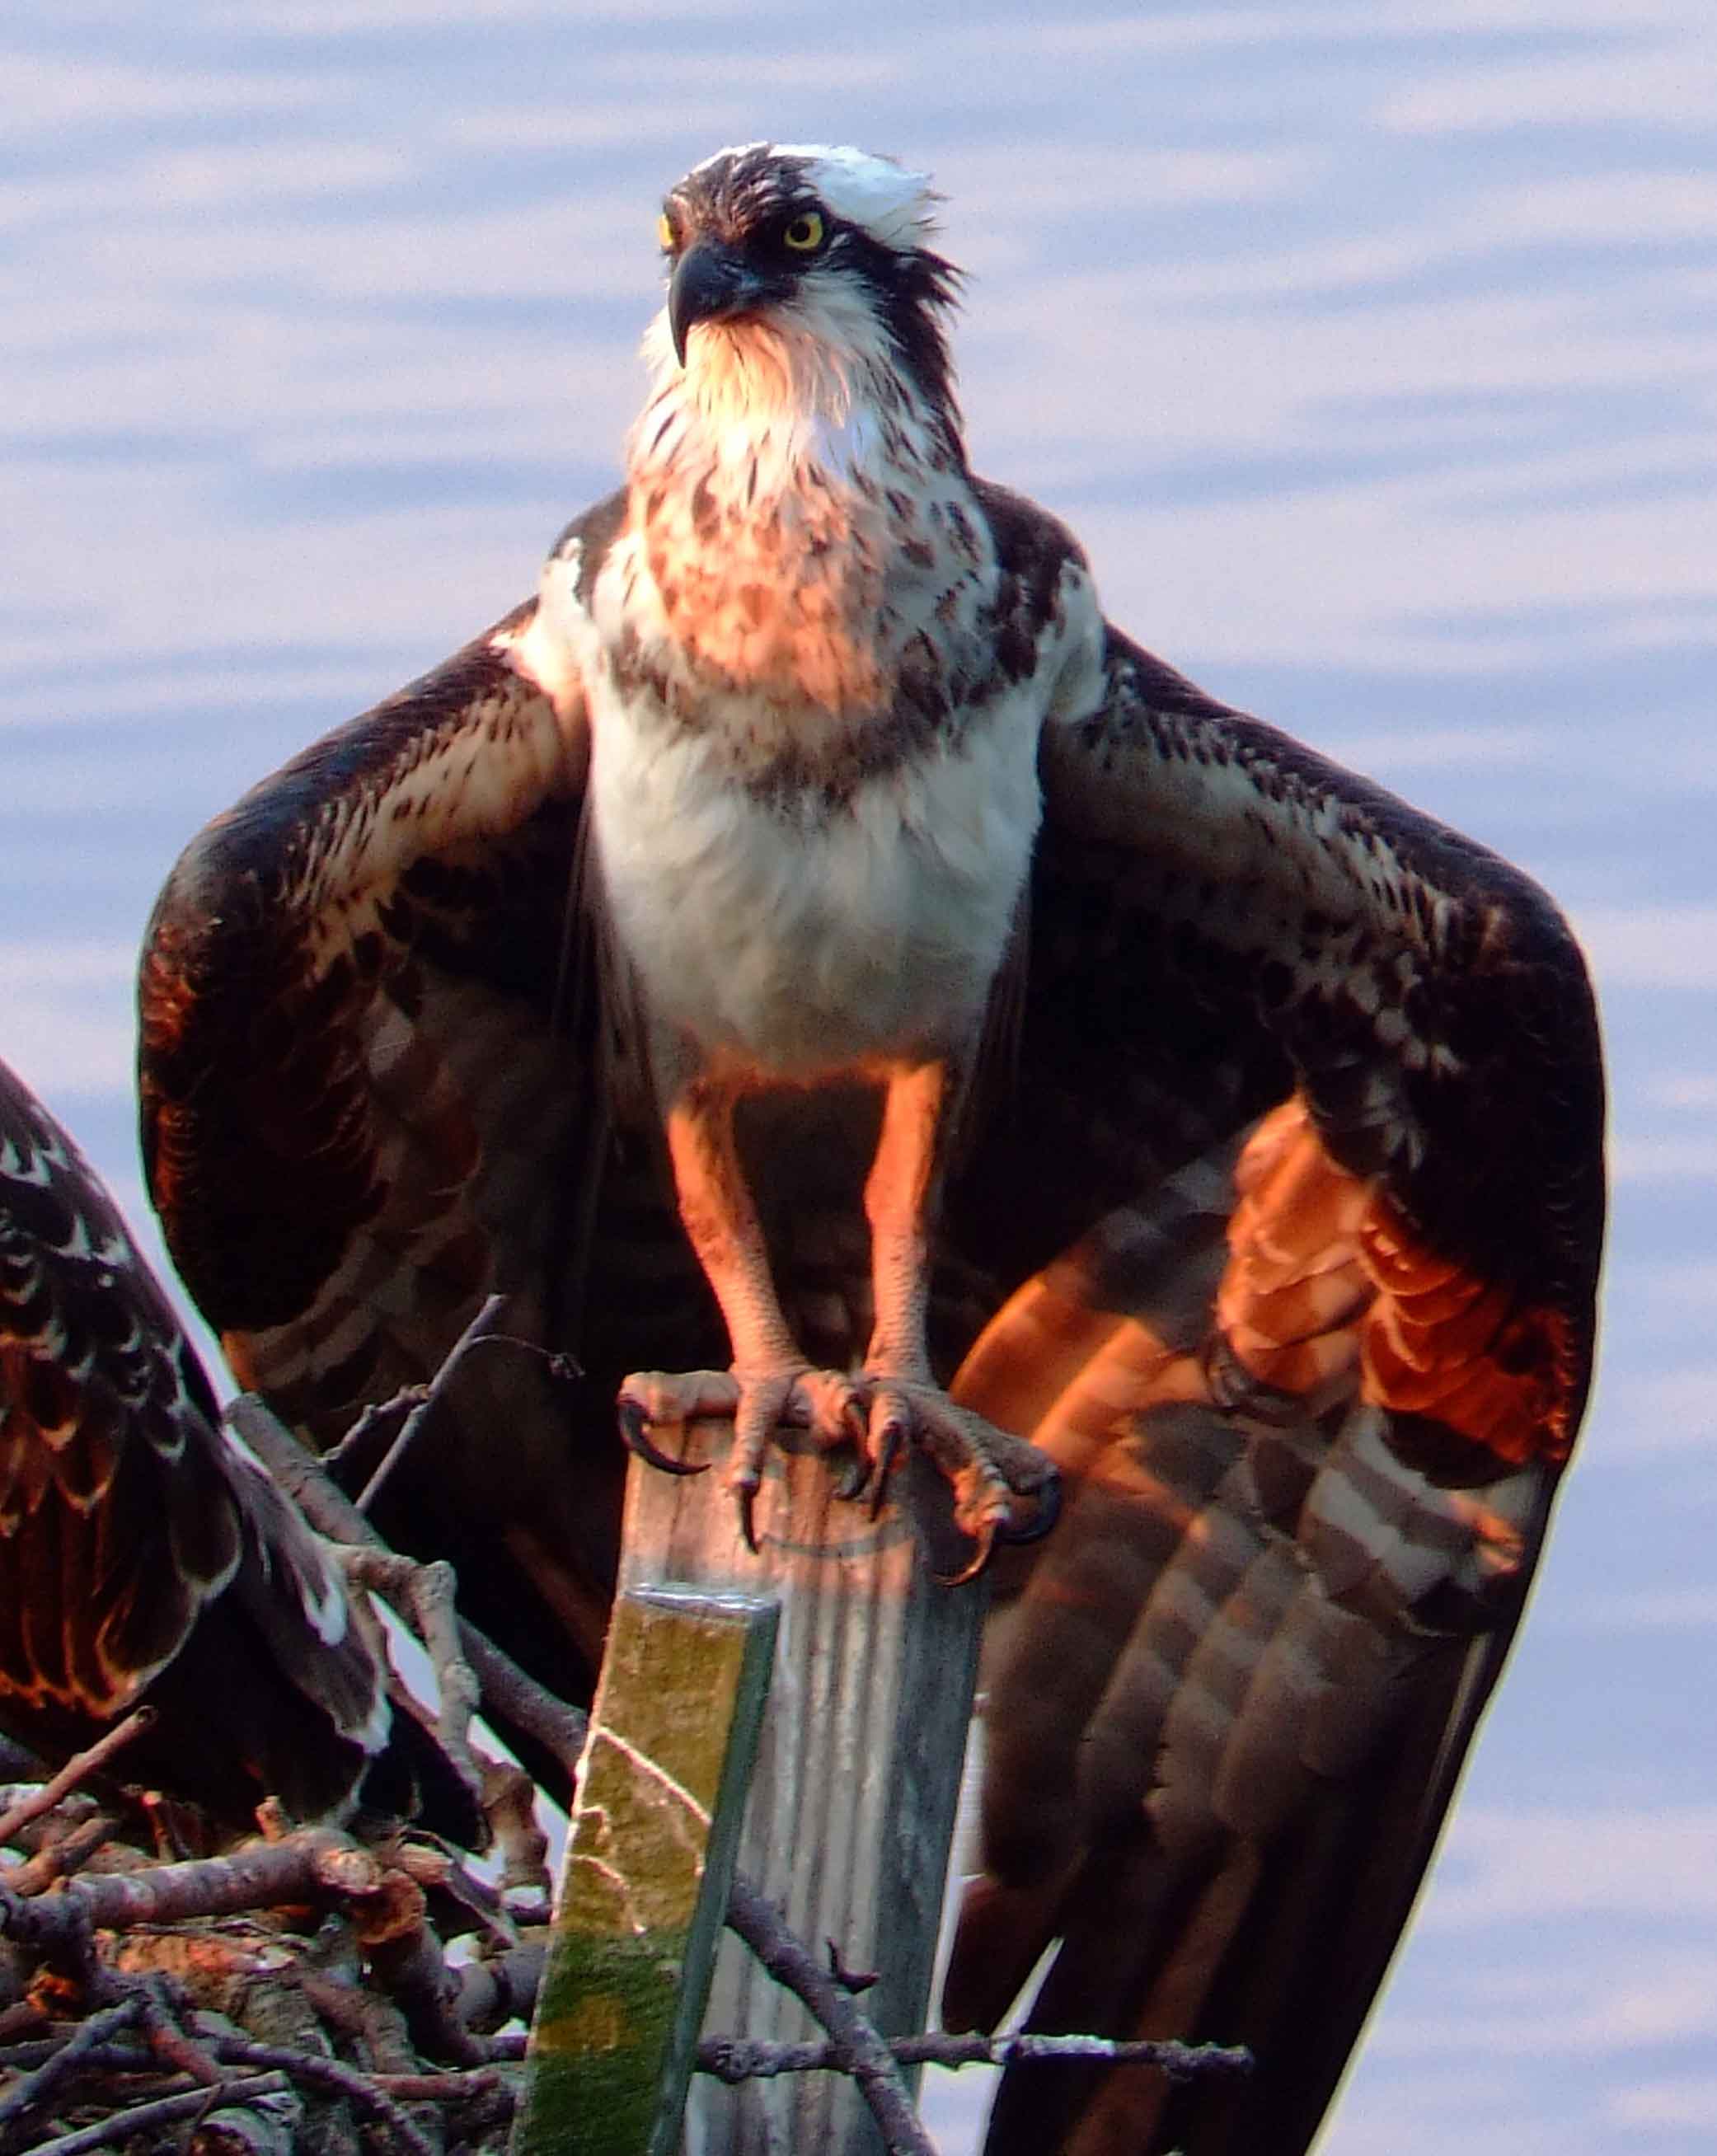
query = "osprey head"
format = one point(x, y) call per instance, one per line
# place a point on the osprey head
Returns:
point(826, 243)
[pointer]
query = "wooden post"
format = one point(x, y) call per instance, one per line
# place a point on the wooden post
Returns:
point(852, 1800)
point(648, 1863)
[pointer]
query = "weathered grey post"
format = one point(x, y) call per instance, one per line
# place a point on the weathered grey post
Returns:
point(853, 1795)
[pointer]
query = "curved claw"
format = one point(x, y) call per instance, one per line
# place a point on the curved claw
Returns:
point(853, 1431)
point(888, 1451)
point(634, 1433)
point(745, 1497)
point(985, 1546)
point(1042, 1517)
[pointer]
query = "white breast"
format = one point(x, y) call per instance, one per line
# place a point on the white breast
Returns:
point(802, 939)
point(792, 550)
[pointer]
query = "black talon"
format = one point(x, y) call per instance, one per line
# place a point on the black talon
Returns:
point(746, 1497)
point(634, 1433)
point(1047, 1513)
point(854, 1482)
point(894, 1436)
point(986, 1544)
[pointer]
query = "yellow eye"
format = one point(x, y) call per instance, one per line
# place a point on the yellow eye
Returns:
point(804, 235)
point(665, 234)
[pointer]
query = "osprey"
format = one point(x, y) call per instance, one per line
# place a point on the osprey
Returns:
point(144, 1556)
point(818, 969)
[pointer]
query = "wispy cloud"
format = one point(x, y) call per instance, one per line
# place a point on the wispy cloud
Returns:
point(69, 1025)
point(1664, 1159)
point(1672, 1410)
point(1695, 1090)
point(46, 95)
point(1658, 947)
point(1667, 2101)
point(1529, 1866)
point(1624, 1997)
point(1670, 83)
point(1674, 1610)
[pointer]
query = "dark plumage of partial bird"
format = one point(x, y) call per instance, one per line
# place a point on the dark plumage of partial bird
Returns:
point(808, 948)
point(144, 1556)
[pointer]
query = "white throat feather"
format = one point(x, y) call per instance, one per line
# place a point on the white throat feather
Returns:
point(766, 397)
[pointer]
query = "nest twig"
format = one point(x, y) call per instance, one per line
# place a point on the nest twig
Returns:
point(296, 1993)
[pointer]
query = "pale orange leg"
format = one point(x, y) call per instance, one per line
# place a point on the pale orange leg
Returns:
point(770, 1380)
point(895, 1399)
point(986, 1467)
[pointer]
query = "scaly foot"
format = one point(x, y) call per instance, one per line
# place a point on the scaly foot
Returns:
point(876, 1413)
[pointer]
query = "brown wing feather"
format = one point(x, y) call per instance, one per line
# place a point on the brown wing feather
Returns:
point(368, 1106)
point(371, 1071)
point(1325, 1077)
point(141, 1558)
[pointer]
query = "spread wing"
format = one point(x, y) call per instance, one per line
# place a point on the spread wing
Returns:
point(1281, 1230)
point(1302, 1172)
point(374, 1094)
point(142, 1556)
point(366, 1071)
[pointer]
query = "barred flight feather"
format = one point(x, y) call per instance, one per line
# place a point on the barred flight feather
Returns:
point(145, 1557)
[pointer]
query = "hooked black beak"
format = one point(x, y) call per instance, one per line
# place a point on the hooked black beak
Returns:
point(710, 281)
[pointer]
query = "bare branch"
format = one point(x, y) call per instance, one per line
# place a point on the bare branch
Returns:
point(474, 2087)
point(506, 1688)
point(408, 1963)
point(59, 1854)
point(314, 1863)
point(423, 1593)
point(75, 1771)
point(422, 1400)
point(734, 2059)
point(58, 1927)
point(34, 2089)
point(431, 1395)
point(862, 2052)
point(169, 2042)
point(162, 2111)
point(330, 2077)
